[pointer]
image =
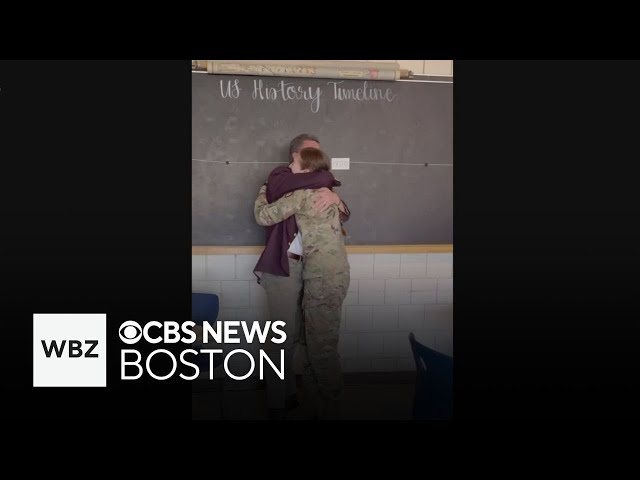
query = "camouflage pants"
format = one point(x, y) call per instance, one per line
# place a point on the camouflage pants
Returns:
point(322, 305)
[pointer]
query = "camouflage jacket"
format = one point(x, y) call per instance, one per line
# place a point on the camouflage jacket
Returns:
point(322, 239)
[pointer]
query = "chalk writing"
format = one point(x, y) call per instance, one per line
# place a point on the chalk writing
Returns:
point(232, 90)
point(287, 91)
point(366, 93)
point(290, 91)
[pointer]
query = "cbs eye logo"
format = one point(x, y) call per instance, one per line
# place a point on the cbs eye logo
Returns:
point(130, 332)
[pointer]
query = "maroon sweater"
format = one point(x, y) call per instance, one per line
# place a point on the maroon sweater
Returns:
point(282, 180)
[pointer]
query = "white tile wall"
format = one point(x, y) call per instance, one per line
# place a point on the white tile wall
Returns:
point(348, 345)
point(445, 290)
point(245, 265)
point(247, 315)
point(371, 292)
point(386, 265)
point(359, 318)
point(397, 292)
point(369, 344)
point(198, 267)
point(423, 297)
point(410, 317)
point(361, 266)
point(235, 293)
point(445, 296)
point(227, 314)
point(424, 284)
point(396, 344)
point(389, 296)
point(385, 318)
point(221, 267)
point(352, 294)
point(438, 317)
point(205, 286)
point(413, 265)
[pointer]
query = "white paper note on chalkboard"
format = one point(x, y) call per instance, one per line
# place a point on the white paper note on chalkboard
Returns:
point(339, 164)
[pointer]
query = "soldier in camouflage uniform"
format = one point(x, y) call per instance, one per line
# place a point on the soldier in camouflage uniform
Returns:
point(326, 281)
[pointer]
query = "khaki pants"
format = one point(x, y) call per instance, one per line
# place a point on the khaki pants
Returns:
point(284, 296)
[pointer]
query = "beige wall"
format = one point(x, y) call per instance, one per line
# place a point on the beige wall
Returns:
point(422, 67)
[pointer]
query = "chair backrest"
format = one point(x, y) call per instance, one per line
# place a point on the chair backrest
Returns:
point(433, 398)
point(204, 307)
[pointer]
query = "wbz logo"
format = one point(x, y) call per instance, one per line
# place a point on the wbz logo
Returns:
point(74, 351)
point(69, 350)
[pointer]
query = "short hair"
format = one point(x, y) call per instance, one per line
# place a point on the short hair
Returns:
point(314, 159)
point(296, 143)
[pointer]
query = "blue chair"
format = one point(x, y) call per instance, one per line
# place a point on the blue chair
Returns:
point(205, 307)
point(433, 399)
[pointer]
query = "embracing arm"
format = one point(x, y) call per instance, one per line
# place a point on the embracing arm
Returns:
point(325, 198)
point(282, 181)
point(271, 213)
point(345, 213)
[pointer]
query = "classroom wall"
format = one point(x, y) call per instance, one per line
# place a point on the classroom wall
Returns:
point(421, 67)
point(389, 296)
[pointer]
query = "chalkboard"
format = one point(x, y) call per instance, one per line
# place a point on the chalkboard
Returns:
point(242, 125)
